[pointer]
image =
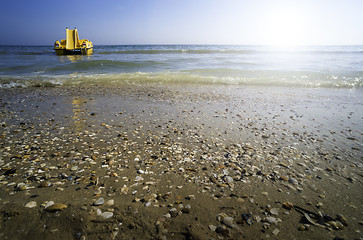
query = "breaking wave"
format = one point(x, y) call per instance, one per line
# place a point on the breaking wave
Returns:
point(202, 76)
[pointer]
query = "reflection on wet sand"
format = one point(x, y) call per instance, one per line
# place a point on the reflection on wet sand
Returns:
point(78, 108)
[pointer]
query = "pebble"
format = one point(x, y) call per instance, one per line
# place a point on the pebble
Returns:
point(99, 202)
point(98, 212)
point(21, 187)
point(302, 228)
point(124, 190)
point(293, 181)
point(212, 228)
point(228, 221)
point(186, 209)
point(110, 202)
point(274, 211)
point(138, 178)
point(74, 168)
point(107, 214)
point(173, 212)
point(248, 218)
point(228, 179)
point(44, 184)
point(272, 220)
point(275, 232)
point(223, 230)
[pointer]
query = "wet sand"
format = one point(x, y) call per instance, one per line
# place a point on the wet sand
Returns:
point(180, 162)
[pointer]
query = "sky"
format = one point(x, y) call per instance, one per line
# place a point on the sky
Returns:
point(245, 22)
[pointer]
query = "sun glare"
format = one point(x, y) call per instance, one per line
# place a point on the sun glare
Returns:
point(286, 27)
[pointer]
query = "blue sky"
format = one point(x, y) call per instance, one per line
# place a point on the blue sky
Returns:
point(267, 22)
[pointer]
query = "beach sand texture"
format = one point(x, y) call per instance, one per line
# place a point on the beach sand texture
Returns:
point(180, 162)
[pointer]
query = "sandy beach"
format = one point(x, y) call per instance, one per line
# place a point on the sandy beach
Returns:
point(158, 161)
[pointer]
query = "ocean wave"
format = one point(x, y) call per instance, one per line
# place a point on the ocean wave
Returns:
point(234, 51)
point(103, 65)
point(215, 76)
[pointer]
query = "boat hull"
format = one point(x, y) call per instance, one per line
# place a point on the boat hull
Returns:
point(85, 51)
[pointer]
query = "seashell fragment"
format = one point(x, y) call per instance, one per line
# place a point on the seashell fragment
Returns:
point(31, 204)
point(56, 207)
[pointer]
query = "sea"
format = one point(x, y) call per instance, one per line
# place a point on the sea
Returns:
point(303, 66)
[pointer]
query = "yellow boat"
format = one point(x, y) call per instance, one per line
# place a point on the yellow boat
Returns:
point(72, 45)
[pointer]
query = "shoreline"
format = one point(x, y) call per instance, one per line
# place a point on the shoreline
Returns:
point(232, 154)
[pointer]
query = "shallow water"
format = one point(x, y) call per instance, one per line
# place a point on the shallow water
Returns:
point(314, 66)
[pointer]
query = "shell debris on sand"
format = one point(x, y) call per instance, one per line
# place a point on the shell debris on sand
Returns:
point(56, 207)
point(31, 204)
point(173, 157)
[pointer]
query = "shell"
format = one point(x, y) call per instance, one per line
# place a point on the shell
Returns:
point(56, 207)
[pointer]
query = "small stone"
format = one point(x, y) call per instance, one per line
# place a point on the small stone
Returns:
point(275, 232)
point(110, 202)
point(99, 202)
point(271, 220)
point(284, 178)
point(74, 168)
point(319, 204)
point(228, 179)
point(21, 187)
point(107, 214)
point(186, 209)
point(189, 197)
point(293, 181)
point(173, 212)
point(246, 217)
point(223, 230)
point(302, 228)
point(31, 204)
point(98, 212)
point(44, 184)
point(240, 200)
point(124, 190)
point(212, 228)
point(138, 178)
point(228, 221)
point(274, 211)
